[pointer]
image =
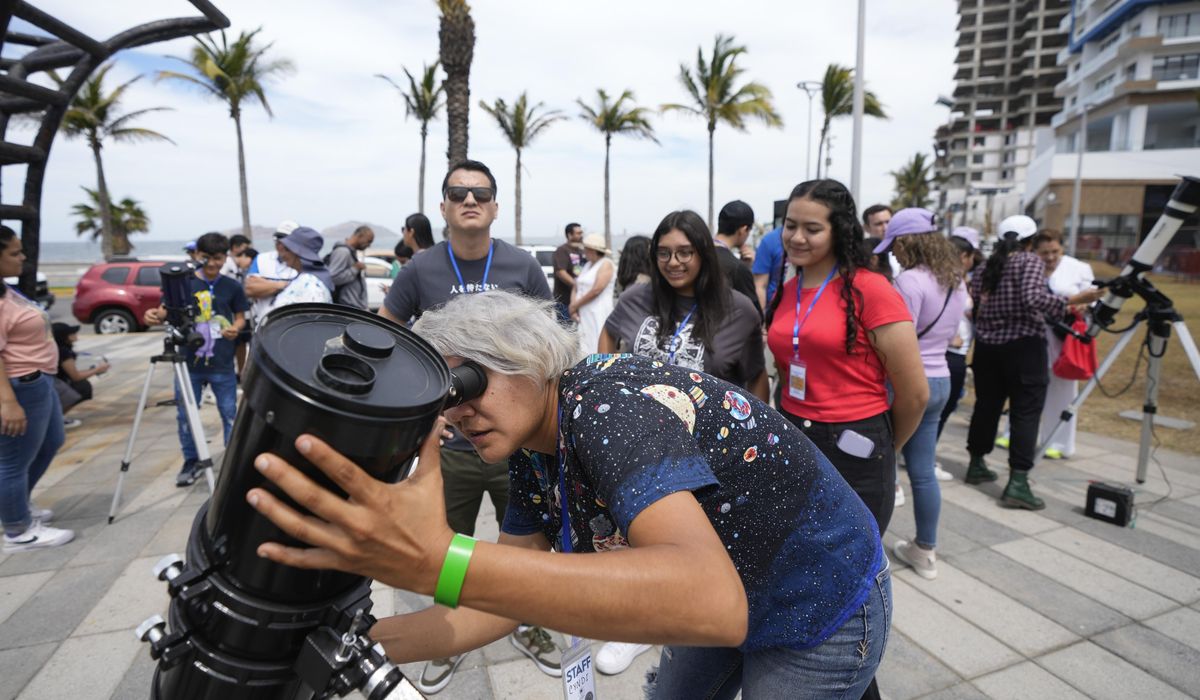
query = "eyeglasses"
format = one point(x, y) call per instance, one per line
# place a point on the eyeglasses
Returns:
point(483, 195)
point(683, 255)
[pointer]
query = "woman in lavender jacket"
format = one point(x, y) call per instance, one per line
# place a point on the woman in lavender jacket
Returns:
point(931, 286)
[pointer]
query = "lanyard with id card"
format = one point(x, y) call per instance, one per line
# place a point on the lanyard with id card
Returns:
point(797, 369)
point(578, 673)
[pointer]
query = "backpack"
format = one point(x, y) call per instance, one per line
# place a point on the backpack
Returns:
point(340, 289)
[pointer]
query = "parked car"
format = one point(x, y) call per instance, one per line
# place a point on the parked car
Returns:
point(545, 258)
point(113, 296)
point(379, 279)
point(42, 296)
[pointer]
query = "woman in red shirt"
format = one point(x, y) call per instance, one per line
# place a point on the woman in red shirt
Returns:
point(839, 333)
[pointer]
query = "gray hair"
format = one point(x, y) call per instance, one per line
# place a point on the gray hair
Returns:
point(506, 332)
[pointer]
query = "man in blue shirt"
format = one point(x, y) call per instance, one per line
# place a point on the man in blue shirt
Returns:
point(221, 314)
point(768, 265)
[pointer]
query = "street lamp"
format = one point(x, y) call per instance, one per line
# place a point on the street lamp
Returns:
point(1081, 144)
point(859, 105)
point(810, 88)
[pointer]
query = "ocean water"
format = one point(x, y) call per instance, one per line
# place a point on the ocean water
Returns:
point(85, 251)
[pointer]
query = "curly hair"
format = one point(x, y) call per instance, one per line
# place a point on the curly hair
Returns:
point(847, 248)
point(933, 252)
point(710, 289)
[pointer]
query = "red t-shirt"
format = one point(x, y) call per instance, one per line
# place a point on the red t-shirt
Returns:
point(840, 387)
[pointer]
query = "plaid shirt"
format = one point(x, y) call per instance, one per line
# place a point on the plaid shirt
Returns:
point(1020, 303)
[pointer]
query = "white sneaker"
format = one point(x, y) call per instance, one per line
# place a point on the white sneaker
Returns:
point(899, 496)
point(941, 474)
point(42, 515)
point(69, 423)
point(37, 536)
point(615, 657)
point(923, 561)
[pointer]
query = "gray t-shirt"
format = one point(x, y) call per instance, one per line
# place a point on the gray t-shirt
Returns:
point(736, 351)
point(428, 281)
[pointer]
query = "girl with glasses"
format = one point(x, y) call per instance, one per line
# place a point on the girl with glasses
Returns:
point(687, 315)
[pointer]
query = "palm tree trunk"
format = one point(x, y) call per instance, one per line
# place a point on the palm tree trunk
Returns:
point(237, 123)
point(607, 225)
point(106, 225)
point(517, 194)
point(821, 145)
point(458, 107)
point(711, 128)
point(421, 176)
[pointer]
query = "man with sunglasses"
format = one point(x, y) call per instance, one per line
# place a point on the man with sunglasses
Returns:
point(469, 261)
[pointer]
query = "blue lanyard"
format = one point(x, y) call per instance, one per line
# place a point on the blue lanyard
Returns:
point(562, 486)
point(487, 267)
point(674, 346)
point(212, 286)
point(800, 321)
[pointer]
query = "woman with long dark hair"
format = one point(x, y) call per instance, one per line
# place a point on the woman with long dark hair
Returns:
point(687, 315)
point(964, 240)
point(31, 421)
point(1012, 302)
point(635, 263)
point(839, 333)
point(930, 282)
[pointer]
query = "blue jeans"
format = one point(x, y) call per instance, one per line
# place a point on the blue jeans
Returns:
point(224, 386)
point(24, 459)
point(919, 454)
point(840, 667)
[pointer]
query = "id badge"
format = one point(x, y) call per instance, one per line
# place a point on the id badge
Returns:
point(578, 676)
point(797, 379)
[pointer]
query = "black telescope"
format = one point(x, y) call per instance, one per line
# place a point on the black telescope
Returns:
point(242, 627)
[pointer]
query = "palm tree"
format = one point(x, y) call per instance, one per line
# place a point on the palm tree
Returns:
point(95, 116)
point(615, 118)
point(125, 217)
point(423, 101)
point(521, 125)
point(456, 34)
point(913, 182)
point(716, 98)
point(233, 73)
point(837, 99)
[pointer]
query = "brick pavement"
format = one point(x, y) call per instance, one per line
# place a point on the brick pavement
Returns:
point(1026, 605)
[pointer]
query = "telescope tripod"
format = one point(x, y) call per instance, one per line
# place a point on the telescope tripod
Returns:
point(1160, 317)
point(183, 379)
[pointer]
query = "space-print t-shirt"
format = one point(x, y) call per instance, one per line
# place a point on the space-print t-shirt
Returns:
point(735, 353)
point(634, 430)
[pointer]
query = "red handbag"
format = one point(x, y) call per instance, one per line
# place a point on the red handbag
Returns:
point(1078, 358)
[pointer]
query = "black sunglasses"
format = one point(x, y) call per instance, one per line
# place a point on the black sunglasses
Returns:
point(483, 195)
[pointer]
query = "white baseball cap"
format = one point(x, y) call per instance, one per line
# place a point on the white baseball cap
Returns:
point(285, 227)
point(1019, 224)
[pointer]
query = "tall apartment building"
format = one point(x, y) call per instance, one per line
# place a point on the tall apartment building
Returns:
point(1134, 65)
point(1006, 75)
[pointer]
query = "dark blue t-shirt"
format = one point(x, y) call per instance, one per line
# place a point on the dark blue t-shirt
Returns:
point(636, 430)
point(218, 302)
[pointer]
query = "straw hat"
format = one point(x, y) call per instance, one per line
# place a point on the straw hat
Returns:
point(595, 241)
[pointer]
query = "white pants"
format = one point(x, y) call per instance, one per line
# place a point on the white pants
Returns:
point(1059, 394)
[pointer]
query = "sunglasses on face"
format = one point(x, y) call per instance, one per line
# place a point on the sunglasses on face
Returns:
point(482, 195)
point(683, 255)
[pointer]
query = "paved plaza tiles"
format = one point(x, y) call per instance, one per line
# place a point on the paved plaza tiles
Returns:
point(1026, 605)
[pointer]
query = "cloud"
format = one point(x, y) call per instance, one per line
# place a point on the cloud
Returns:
point(340, 147)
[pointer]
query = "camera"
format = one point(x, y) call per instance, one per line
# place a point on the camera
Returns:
point(177, 299)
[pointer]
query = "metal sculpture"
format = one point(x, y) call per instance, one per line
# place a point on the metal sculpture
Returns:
point(65, 48)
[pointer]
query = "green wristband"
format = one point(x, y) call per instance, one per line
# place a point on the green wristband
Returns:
point(454, 571)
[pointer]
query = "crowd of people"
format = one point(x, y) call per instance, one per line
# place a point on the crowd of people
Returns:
point(727, 421)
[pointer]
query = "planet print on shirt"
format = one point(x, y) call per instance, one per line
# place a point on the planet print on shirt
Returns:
point(676, 400)
point(737, 405)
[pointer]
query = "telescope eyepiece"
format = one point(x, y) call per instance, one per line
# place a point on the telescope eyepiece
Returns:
point(467, 381)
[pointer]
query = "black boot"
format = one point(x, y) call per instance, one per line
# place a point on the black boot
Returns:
point(978, 472)
point(1017, 493)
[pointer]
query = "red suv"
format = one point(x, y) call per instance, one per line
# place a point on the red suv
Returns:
point(114, 295)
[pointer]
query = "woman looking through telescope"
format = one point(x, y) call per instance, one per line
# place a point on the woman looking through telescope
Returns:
point(725, 533)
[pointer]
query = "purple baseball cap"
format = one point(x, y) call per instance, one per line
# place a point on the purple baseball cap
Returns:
point(906, 222)
point(968, 234)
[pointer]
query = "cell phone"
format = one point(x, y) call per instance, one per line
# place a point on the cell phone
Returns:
point(855, 444)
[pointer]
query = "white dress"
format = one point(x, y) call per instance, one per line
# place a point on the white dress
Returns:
point(593, 314)
point(1071, 277)
point(306, 288)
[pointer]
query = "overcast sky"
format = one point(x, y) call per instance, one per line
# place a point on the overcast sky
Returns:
point(340, 148)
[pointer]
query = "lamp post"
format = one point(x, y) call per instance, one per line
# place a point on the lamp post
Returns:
point(859, 105)
point(810, 88)
point(1076, 194)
